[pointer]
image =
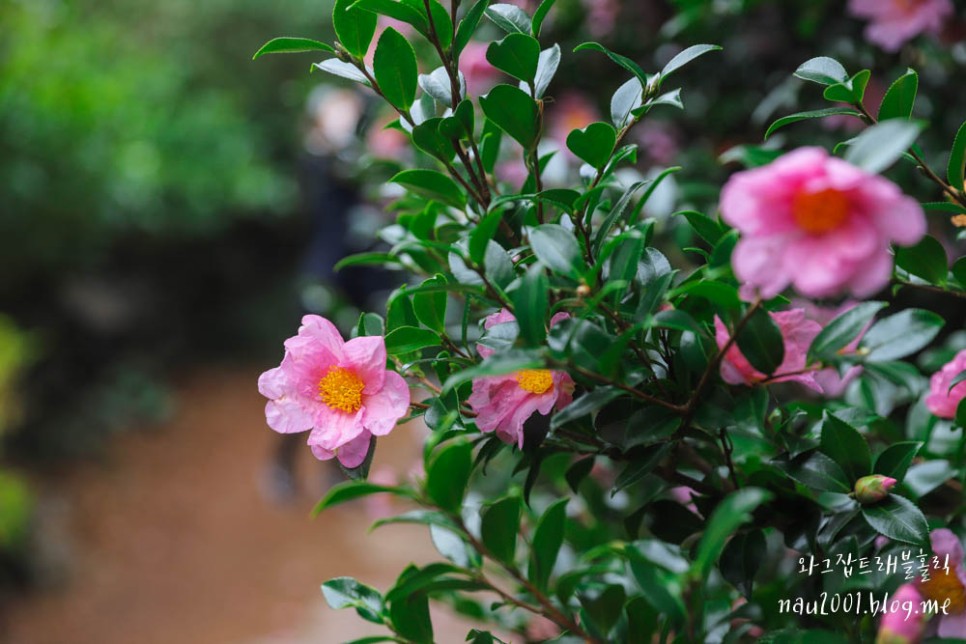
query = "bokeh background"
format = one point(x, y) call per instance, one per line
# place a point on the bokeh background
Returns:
point(168, 210)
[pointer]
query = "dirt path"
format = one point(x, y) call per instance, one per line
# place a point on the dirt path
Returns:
point(172, 541)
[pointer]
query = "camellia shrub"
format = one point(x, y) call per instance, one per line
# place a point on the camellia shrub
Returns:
point(759, 440)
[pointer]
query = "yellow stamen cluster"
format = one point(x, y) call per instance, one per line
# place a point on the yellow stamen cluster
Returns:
point(536, 381)
point(341, 389)
point(943, 585)
point(820, 212)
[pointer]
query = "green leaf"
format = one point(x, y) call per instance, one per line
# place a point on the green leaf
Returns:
point(394, 65)
point(761, 342)
point(407, 339)
point(410, 618)
point(956, 170)
point(500, 527)
point(556, 247)
point(497, 365)
point(900, 335)
point(468, 25)
point(437, 84)
point(927, 260)
point(346, 592)
point(846, 446)
point(899, 519)
point(707, 228)
point(585, 405)
point(850, 91)
point(481, 235)
point(432, 185)
point(530, 302)
point(547, 539)
point(822, 70)
point(510, 18)
point(686, 57)
point(448, 474)
point(841, 331)
point(900, 97)
point(517, 55)
point(427, 138)
point(604, 608)
point(350, 490)
point(593, 144)
point(734, 511)
point(354, 27)
point(895, 460)
point(741, 559)
point(625, 100)
point(338, 68)
point(451, 545)
point(289, 45)
point(881, 145)
point(547, 66)
point(539, 15)
point(623, 61)
point(820, 473)
point(430, 306)
point(804, 116)
point(513, 111)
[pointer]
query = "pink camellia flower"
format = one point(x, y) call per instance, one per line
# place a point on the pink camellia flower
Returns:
point(797, 332)
point(947, 583)
point(503, 403)
point(900, 626)
point(893, 22)
point(339, 390)
point(819, 223)
point(941, 400)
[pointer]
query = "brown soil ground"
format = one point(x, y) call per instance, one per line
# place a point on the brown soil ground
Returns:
point(171, 540)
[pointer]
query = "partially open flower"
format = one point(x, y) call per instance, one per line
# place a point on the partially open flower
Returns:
point(873, 488)
point(819, 224)
point(900, 627)
point(504, 403)
point(944, 397)
point(339, 390)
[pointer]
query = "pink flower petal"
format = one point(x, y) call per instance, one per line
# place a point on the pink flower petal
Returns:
point(385, 408)
point(366, 356)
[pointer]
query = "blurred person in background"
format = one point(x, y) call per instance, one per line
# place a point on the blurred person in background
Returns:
point(340, 224)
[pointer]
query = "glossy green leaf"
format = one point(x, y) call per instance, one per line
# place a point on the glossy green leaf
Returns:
point(410, 618)
point(510, 18)
point(547, 539)
point(547, 66)
point(820, 473)
point(407, 339)
point(556, 247)
point(899, 519)
point(881, 145)
point(338, 68)
point(734, 511)
point(741, 559)
point(900, 335)
point(812, 114)
point(844, 329)
point(761, 342)
point(289, 45)
point(500, 527)
point(625, 100)
point(517, 55)
point(430, 306)
point(927, 260)
point(427, 138)
point(448, 474)
point(900, 97)
point(593, 144)
point(530, 302)
point(513, 111)
point(394, 65)
point(623, 61)
point(895, 460)
point(346, 592)
point(846, 446)
point(468, 25)
point(822, 70)
point(437, 84)
point(432, 185)
point(539, 15)
point(350, 490)
point(685, 57)
point(851, 91)
point(602, 609)
point(354, 27)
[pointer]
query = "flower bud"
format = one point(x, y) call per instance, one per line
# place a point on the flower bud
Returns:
point(873, 488)
point(897, 627)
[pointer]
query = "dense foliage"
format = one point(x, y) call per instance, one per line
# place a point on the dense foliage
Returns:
point(626, 447)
